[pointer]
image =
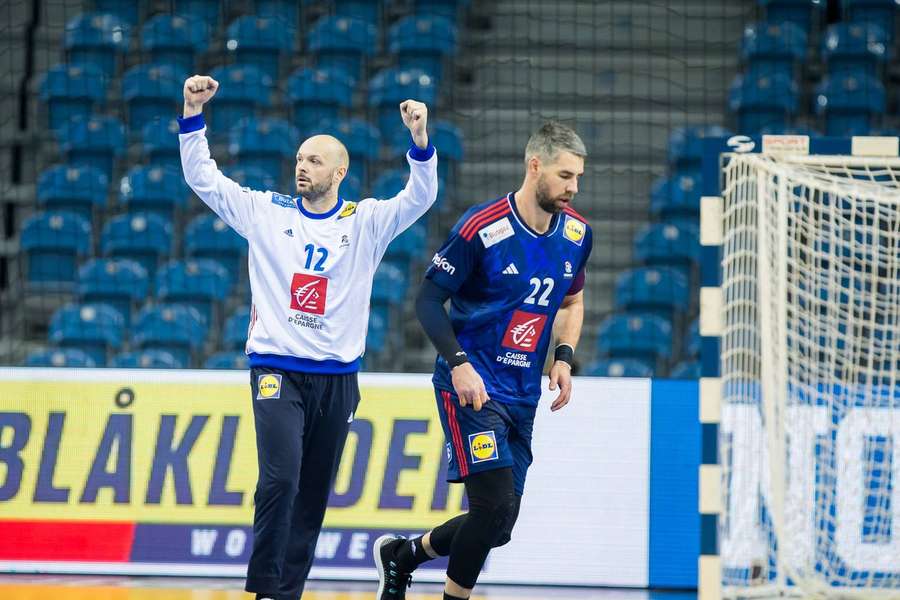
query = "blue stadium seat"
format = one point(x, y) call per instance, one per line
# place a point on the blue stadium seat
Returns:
point(643, 336)
point(94, 142)
point(658, 289)
point(440, 8)
point(251, 177)
point(760, 100)
point(154, 189)
point(772, 48)
point(200, 283)
point(856, 48)
point(268, 144)
point(850, 103)
point(202, 11)
point(60, 357)
point(94, 328)
point(151, 92)
point(677, 195)
point(689, 369)
point(364, 10)
point(686, 145)
point(618, 367)
point(389, 183)
point(160, 143)
point(128, 12)
point(800, 12)
point(351, 187)
point(72, 189)
point(174, 40)
point(120, 283)
point(96, 39)
point(668, 244)
point(146, 359)
point(342, 43)
point(694, 344)
point(286, 10)
point(243, 89)
point(175, 328)
point(443, 135)
point(361, 139)
point(263, 42)
point(227, 360)
point(791, 130)
point(234, 335)
point(389, 87)
point(316, 95)
point(377, 333)
point(409, 244)
point(207, 236)
point(145, 238)
point(389, 285)
point(54, 242)
point(423, 42)
point(882, 12)
point(72, 91)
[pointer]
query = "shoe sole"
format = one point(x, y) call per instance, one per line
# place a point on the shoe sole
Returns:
point(376, 551)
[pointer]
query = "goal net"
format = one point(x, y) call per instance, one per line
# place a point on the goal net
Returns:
point(810, 357)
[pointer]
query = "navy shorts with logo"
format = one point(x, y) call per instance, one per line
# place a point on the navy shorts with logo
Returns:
point(497, 436)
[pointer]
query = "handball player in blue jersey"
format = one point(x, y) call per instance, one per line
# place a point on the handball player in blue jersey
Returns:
point(513, 269)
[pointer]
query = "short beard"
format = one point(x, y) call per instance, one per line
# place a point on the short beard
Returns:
point(317, 192)
point(542, 193)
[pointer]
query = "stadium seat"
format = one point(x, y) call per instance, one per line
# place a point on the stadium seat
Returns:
point(146, 359)
point(94, 142)
point(54, 242)
point(676, 196)
point(643, 336)
point(342, 43)
point(361, 139)
point(658, 289)
point(234, 335)
point(128, 12)
point(207, 236)
point(94, 328)
point(694, 343)
point(201, 11)
point(175, 328)
point(242, 91)
point(389, 284)
point(423, 42)
point(849, 103)
point(791, 130)
point(882, 12)
point(160, 143)
point(72, 91)
point(286, 10)
point(443, 135)
point(686, 370)
point(760, 100)
point(377, 332)
point(60, 357)
point(154, 189)
point(800, 12)
point(227, 360)
point(440, 8)
point(97, 39)
point(686, 145)
point(350, 188)
point(120, 283)
point(200, 283)
point(409, 244)
point(856, 48)
point(389, 183)
point(145, 238)
point(151, 92)
point(364, 10)
point(72, 189)
point(269, 144)
point(618, 367)
point(389, 87)
point(316, 95)
point(251, 177)
point(174, 40)
point(262, 42)
point(668, 244)
point(771, 48)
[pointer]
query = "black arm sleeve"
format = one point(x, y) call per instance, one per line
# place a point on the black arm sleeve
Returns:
point(436, 323)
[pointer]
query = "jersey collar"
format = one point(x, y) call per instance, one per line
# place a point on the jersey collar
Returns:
point(554, 220)
point(337, 206)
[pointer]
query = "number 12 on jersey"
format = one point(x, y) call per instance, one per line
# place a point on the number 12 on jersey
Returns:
point(311, 250)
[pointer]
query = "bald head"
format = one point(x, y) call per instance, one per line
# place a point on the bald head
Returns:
point(329, 148)
point(322, 163)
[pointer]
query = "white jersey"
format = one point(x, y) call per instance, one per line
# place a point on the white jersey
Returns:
point(310, 274)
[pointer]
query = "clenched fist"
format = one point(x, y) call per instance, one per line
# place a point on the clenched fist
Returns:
point(415, 117)
point(198, 90)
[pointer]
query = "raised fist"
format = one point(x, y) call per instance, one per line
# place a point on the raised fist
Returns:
point(199, 89)
point(415, 117)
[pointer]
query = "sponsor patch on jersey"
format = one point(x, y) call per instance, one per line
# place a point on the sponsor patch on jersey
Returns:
point(308, 293)
point(483, 447)
point(524, 331)
point(282, 200)
point(443, 264)
point(268, 386)
point(574, 230)
point(348, 210)
point(496, 232)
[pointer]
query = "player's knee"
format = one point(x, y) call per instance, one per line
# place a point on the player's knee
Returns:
point(505, 519)
point(276, 485)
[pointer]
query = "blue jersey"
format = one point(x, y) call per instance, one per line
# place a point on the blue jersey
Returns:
point(507, 282)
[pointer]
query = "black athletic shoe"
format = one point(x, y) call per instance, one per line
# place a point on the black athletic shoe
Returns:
point(392, 582)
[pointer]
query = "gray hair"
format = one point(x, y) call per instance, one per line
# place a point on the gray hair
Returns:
point(552, 138)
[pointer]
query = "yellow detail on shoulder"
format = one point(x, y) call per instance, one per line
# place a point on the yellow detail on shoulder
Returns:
point(348, 210)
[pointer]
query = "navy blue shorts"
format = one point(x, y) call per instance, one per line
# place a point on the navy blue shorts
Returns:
point(497, 436)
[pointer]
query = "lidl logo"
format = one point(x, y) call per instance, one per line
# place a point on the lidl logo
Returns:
point(268, 386)
point(574, 230)
point(483, 447)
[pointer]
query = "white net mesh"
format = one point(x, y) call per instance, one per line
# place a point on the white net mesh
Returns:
point(810, 434)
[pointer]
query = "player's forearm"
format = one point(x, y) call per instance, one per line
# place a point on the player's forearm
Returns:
point(436, 323)
point(569, 318)
point(191, 110)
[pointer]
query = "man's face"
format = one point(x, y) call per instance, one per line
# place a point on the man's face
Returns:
point(558, 182)
point(315, 169)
